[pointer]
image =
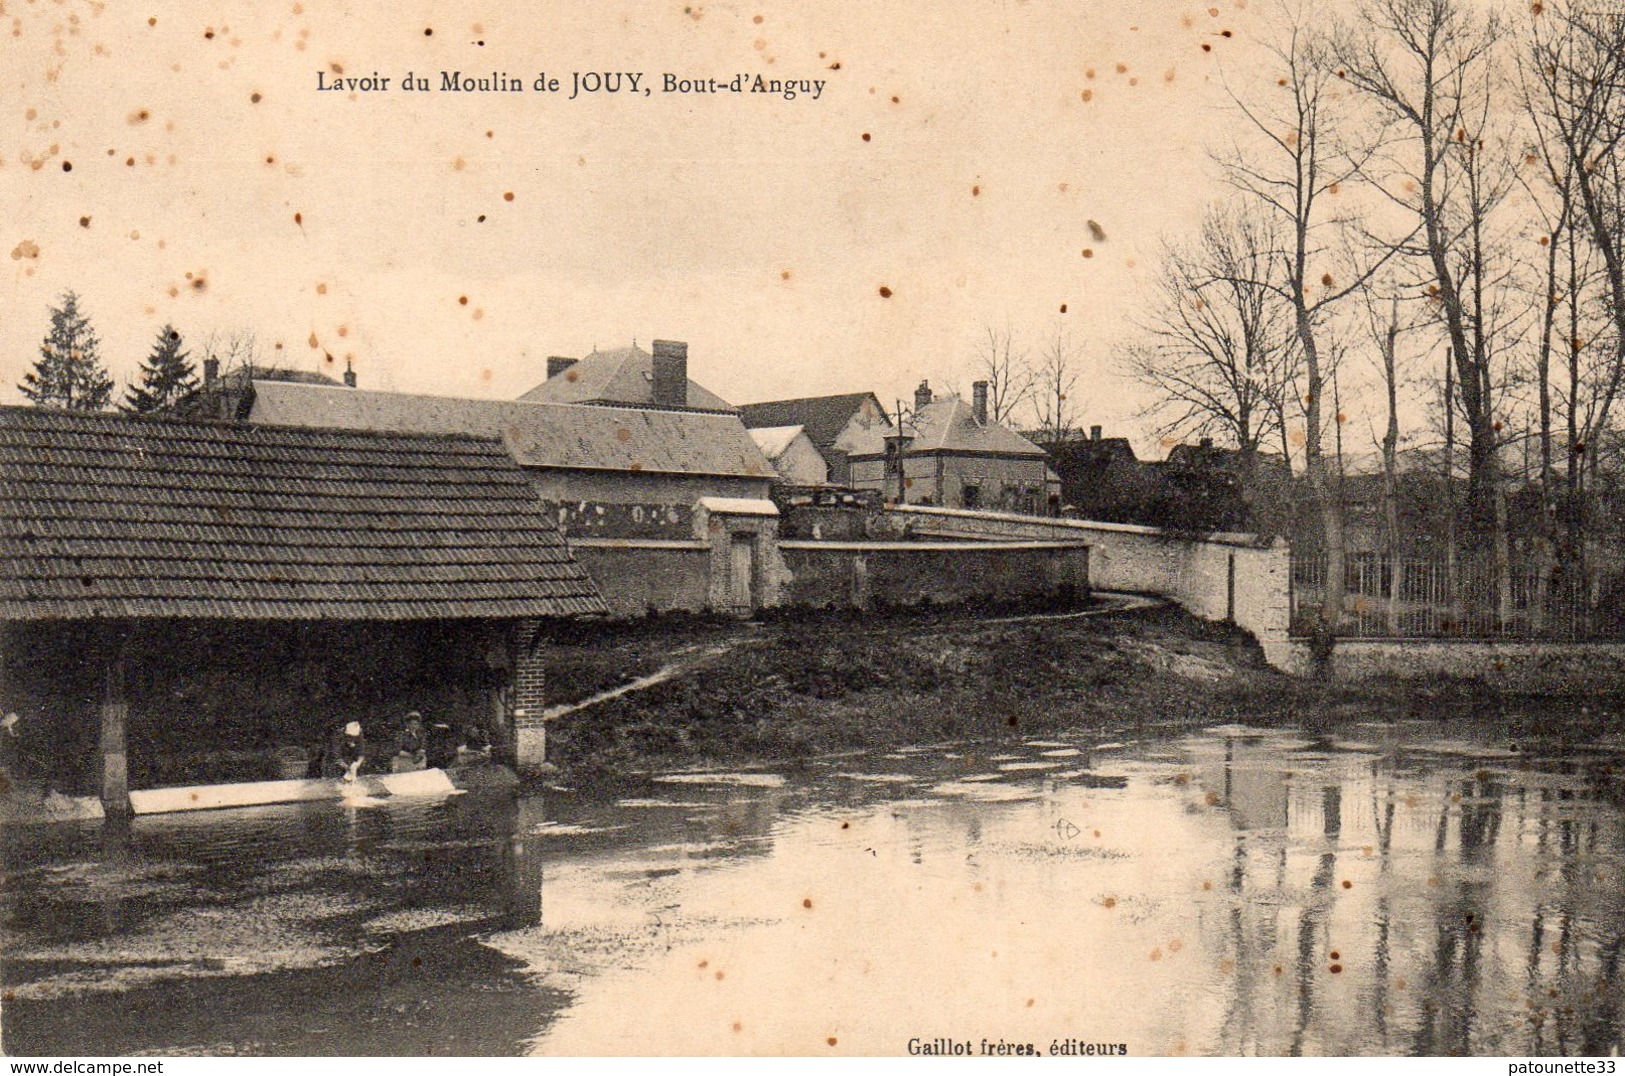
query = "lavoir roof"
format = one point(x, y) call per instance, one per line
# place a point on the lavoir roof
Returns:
point(106, 516)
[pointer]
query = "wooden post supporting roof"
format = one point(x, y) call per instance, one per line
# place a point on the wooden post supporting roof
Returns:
point(123, 522)
point(112, 753)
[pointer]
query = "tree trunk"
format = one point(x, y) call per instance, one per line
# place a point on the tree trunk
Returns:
point(1323, 633)
point(1390, 472)
point(1503, 563)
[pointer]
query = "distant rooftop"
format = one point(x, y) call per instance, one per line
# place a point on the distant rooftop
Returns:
point(623, 375)
point(823, 416)
point(775, 440)
point(242, 375)
point(558, 435)
point(948, 424)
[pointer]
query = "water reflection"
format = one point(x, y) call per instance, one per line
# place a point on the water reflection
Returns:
point(1425, 924)
point(1389, 891)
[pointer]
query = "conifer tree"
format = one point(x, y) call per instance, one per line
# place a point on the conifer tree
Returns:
point(69, 374)
point(168, 377)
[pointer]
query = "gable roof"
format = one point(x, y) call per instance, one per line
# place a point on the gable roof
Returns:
point(567, 436)
point(823, 416)
point(624, 375)
point(774, 441)
point(115, 516)
point(949, 425)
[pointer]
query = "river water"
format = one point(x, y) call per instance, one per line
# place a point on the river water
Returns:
point(1392, 889)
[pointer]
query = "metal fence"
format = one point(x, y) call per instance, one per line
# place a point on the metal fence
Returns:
point(1441, 598)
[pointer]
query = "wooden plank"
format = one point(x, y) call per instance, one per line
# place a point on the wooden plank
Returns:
point(305, 790)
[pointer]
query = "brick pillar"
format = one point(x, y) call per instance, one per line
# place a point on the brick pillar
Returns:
point(529, 704)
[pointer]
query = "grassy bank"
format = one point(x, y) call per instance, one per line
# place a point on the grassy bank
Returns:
point(803, 687)
point(808, 686)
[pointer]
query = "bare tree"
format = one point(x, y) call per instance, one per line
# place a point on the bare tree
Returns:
point(1010, 378)
point(1428, 67)
point(238, 348)
point(1293, 167)
point(1551, 194)
point(1574, 88)
point(1432, 68)
point(1385, 334)
point(1221, 355)
point(1055, 375)
point(1580, 62)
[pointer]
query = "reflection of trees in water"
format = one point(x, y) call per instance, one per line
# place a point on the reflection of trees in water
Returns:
point(1311, 919)
point(1380, 954)
point(1254, 800)
point(1604, 1016)
point(1459, 920)
point(1237, 1025)
point(1576, 1003)
point(1442, 973)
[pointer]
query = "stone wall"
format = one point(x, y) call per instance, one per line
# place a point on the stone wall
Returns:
point(864, 574)
point(620, 504)
point(637, 576)
point(640, 575)
point(1539, 668)
point(1215, 576)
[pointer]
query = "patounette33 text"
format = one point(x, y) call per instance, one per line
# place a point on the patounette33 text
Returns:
point(573, 85)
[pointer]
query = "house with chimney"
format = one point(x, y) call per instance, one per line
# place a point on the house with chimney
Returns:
point(654, 479)
point(628, 376)
point(951, 454)
point(608, 471)
point(834, 425)
point(230, 395)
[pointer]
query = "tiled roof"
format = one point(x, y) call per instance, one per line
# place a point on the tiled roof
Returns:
point(949, 425)
point(538, 435)
point(111, 516)
point(1103, 449)
point(623, 375)
point(823, 416)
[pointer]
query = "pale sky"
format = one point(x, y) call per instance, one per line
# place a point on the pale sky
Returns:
point(378, 227)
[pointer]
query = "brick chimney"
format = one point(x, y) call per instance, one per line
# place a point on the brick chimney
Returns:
point(349, 373)
point(922, 396)
point(211, 371)
point(1094, 433)
point(978, 390)
point(670, 373)
point(557, 364)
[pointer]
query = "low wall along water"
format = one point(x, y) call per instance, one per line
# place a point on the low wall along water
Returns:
point(1215, 576)
point(943, 555)
point(864, 574)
